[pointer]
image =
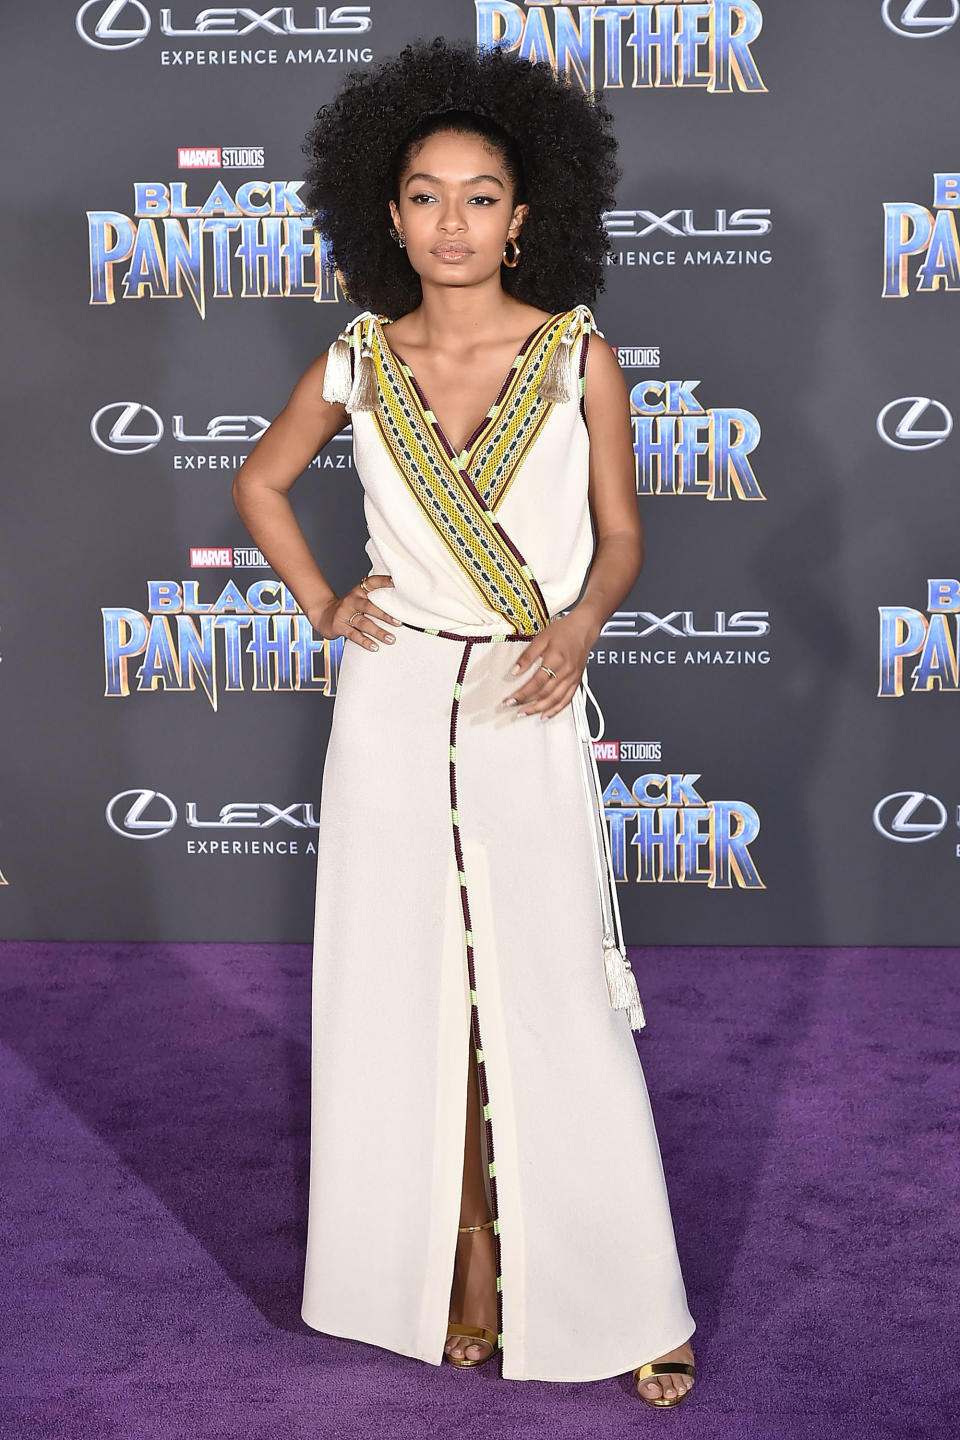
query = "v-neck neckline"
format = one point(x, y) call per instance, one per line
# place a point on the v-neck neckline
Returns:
point(460, 457)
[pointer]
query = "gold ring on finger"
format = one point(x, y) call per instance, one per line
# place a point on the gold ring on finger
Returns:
point(363, 586)
point(354, 615)
point(549, 671)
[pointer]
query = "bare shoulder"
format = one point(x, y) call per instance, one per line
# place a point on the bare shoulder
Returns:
point(529, 317)
point(526, 319)
point(307, 396)
point(400, 329)
point(606, 386)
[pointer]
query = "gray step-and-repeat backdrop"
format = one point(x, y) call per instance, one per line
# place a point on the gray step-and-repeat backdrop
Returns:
point(780, 689)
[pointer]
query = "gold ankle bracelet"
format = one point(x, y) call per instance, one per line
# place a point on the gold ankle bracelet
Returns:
point(485, 1226)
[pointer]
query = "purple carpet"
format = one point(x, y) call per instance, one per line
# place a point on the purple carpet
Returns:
point(154, 1173)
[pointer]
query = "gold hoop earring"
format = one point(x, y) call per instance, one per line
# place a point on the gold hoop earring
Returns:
point(516, 253)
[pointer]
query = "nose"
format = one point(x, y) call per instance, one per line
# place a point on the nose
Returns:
point(450, 218)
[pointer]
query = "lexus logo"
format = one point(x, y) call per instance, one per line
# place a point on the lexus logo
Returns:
point(116, 25)
point(112, 430)
point(127, 427)
point(125, 814)
point(912, 21)
point(907, 432)
point(121, 24)
point(146, 814)
point(895, 816)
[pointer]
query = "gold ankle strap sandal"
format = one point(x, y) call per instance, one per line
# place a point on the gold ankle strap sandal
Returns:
point(472, 1332)
point(656, 1368)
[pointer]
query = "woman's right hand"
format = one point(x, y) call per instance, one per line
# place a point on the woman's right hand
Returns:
point(339, 616)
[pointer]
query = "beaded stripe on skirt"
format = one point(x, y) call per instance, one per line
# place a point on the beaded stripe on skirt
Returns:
point(476, 1035)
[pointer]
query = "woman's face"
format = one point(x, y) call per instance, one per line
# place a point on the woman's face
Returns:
point(455, 209)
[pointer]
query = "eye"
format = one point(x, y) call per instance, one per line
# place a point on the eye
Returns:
point(487, 199)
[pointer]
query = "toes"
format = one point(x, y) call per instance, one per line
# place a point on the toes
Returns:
point(462, 1348)
point(671, 1384)
point(676, 1385)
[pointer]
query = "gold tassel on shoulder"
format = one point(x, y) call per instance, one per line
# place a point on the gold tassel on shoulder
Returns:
point(556, 382)
point(337, 377)
point(365, 394)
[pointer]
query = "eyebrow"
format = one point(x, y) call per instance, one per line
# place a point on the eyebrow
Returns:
point(422, 175)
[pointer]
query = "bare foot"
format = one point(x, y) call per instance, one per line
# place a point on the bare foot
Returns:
point(668, 1385)
point(473, 1297)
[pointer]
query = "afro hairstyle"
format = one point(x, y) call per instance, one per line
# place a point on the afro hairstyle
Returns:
point(556, 144)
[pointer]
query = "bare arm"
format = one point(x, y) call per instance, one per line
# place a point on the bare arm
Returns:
point(613, 490)
point(261, 492)
point(566, 642)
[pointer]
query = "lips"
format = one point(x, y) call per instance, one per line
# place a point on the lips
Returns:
point(452, 250)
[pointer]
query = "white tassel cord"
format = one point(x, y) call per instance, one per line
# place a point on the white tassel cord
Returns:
point(344, 385)
point(621, 981)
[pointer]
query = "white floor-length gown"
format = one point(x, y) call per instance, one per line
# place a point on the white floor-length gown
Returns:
point(458, 906)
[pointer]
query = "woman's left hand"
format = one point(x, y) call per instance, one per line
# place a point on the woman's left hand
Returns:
point(563, 646)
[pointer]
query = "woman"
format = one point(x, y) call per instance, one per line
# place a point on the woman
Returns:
point(462, 895)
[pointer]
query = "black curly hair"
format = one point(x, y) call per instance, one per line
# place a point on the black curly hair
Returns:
point(556, 144)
